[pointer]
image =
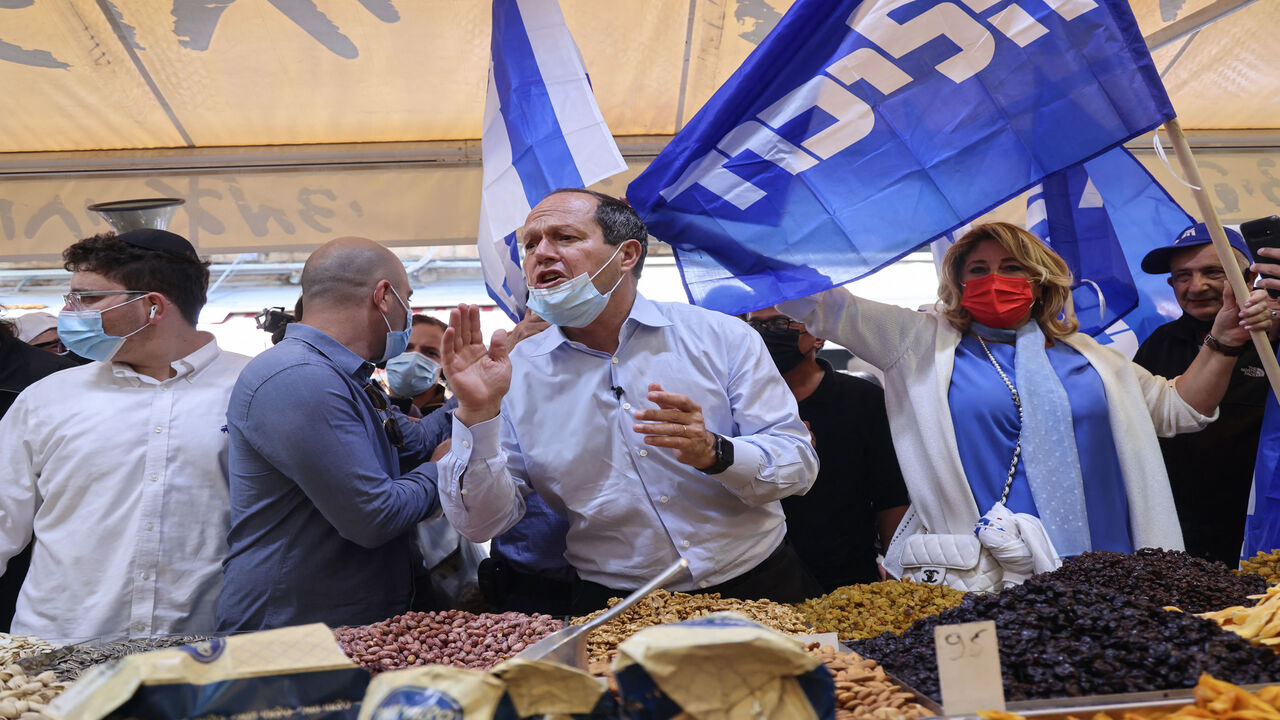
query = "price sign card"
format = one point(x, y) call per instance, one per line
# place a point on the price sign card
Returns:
point(969, 667)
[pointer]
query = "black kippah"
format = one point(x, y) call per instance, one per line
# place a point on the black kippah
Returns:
point(160, 241)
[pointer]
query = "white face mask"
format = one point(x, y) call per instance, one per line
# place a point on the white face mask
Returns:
point(574, 303)
point(411, 374)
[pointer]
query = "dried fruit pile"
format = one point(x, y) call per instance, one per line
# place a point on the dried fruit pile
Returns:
point(449, 637)
point(1265, 565)
point(1165, 577)
point(863, 611)
point(1259, 623)
point(661, 607)
point(1061, 640)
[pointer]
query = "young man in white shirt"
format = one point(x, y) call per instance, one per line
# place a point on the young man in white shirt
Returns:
point(118, 467)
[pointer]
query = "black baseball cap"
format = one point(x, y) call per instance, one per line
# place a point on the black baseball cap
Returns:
point(1156, 262)
point(161, 241)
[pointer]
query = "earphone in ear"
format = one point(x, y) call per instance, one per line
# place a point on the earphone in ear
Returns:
point(153, 311)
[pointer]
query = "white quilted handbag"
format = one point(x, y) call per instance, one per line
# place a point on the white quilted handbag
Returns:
point(959, 561)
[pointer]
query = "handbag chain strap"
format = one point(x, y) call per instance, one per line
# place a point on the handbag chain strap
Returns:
point(1017, 402)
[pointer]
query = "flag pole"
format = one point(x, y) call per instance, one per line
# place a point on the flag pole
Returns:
point(1219, 236)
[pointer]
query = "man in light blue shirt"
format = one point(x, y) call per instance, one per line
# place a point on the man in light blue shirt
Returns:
point(659, 430)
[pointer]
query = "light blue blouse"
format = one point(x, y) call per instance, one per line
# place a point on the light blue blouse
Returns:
point(986, 424)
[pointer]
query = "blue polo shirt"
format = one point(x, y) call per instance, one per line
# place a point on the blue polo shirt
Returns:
point(320, 512)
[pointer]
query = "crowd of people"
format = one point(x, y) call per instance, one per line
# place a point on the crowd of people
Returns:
point(155, 484)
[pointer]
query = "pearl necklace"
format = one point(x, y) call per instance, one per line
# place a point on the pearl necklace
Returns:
point(1017, 401)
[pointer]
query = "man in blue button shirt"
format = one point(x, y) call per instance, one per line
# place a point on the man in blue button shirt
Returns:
point(658, 430)
point(321, 513)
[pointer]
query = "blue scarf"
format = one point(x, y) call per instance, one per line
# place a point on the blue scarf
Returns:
point(1048, 439)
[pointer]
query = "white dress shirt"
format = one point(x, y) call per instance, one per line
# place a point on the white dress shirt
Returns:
point(124, 480)
point(633, 509)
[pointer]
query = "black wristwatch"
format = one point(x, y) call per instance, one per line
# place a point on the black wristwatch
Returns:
point(724, 455)
point(1213, 344)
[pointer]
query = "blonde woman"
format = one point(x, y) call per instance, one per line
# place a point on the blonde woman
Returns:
point(995, 401)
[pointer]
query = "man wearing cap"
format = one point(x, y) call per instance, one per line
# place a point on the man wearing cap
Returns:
point(118, 467)
point(1210, 471)
point(39, 330)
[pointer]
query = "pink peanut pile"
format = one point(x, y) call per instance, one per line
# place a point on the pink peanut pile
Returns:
point(450, 637)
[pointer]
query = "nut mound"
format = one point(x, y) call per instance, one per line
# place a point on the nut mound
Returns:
point(661, 607)
point(449, 637)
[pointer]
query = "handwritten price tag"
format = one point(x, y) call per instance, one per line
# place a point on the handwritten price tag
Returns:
point(969, 667)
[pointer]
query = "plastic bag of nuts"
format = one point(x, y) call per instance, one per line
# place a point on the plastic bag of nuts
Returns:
point(863, 691)
point(515, 690)
point(721, 666)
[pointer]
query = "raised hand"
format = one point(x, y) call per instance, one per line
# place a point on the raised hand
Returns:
point(677, 424)
point(1233, 323)
point(478, 376)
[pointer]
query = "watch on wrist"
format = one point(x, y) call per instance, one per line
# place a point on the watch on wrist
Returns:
point(724, 455)
point(1213, 344)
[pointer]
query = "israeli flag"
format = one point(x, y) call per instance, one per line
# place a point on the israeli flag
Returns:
point(1103, 216)
point(862, 129)
point(542, 131)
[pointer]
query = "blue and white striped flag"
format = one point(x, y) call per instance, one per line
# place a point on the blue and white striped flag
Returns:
point(542, 131)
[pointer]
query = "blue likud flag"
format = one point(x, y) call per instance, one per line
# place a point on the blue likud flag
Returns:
point(542, 131)
point(1262, 522)
point(1103, 216)
point(861, 129)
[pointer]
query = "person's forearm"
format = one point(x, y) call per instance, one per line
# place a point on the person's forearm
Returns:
point(477, 492)
point(887, 522)
point(768, 467)
point(1205, 380)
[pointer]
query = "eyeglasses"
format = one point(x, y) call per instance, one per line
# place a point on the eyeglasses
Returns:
point(777, 323)
point(389, 425)
point(75, 298)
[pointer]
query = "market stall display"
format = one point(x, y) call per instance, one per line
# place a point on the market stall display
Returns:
point(1165, 577)
point(1266, 565)
point(661, 607)
point(863, 691)
point(863, 611)
point(1063, 640)
point(449, 637)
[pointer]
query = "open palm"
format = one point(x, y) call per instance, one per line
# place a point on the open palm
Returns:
point(478, 376)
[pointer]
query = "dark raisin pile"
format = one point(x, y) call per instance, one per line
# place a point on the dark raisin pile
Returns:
point(1062, 640)
point(1165, 577)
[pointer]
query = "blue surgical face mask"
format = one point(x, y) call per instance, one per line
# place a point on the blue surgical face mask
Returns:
point(411, 374)
point(81, 332)
point(397, 340)
point(574, 303)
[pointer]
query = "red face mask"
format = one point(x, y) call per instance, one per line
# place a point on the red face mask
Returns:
point(997, 301)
